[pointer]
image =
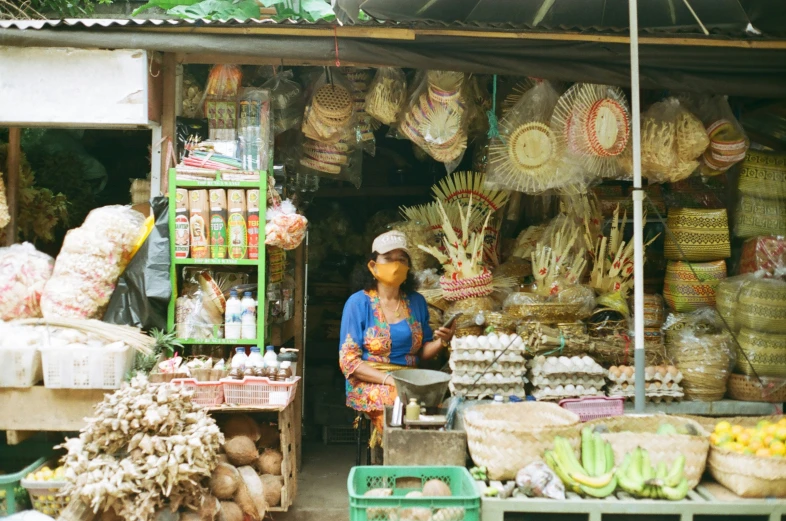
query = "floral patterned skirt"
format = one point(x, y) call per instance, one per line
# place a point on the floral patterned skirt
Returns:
point(373, 398)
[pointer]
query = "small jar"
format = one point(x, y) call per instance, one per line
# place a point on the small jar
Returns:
point(413, 410)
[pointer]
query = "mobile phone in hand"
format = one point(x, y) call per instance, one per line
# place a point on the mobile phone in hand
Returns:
point(449, 323)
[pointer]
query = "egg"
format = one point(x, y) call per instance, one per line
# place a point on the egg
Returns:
point(489, 356)
point(570, 389)
point(504, 339)
point(649, 373)
point(479, 355)
point(471, 341)
point(564, 360)
point(629, 372)
point(494, 342)
point(550, 361)
point(559, 389)
point(588, 360)
point(517, 342)
point(492, 335)
point(580, 389)
point(483, 342)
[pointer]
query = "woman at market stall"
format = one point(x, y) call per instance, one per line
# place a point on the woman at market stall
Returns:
point(385, 328)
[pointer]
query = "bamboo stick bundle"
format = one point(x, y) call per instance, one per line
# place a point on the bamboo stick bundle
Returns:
point(109, 332)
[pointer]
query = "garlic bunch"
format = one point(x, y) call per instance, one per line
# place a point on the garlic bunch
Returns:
point(146, 446)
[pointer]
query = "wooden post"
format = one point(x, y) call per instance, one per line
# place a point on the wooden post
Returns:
point(300, 343)
point(168, 115)
point(12, 182)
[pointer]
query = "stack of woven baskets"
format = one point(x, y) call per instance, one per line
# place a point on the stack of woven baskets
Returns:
point(697, 244)
point(761, 209)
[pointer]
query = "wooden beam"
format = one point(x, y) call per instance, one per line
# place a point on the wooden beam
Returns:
point(13, 161)
point(300, 343)
point(218, 58)
point(169, 73)
point(375, 33)
point(17, 437)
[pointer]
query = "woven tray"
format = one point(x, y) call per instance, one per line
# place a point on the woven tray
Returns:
point(748, 389)
point(628, 432)
point(505, 438)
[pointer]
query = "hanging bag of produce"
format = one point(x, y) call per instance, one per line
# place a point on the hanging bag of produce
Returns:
point(286, 101)
point(23, 274)
point(330, 114)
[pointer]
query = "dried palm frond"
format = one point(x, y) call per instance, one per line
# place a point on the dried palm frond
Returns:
point(465, 187)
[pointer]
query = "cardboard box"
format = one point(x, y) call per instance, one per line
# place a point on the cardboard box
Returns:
point(218, 223)
point(252, 199)
point(237, 224)
point(199, 210)
point(182, 227)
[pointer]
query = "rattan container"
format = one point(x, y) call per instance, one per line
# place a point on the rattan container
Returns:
point(763, 174)
point(762, 306)
point(748, 389)
point(765, 353)
point(654, 310)
point(697, 235)
point(500, 322)
point(625, 433)
point(726, 301)
point(505, 438)
point(757, 215)
point(690, 286)
point(705, 361)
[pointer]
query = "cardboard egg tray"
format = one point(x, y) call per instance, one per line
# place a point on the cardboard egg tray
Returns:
point(548, 393)
point(487, 356)
point(667, 373)
point(553, 381)
point(486, 391)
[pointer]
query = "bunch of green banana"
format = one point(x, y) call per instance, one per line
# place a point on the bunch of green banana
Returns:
point(639, 478)
point(594, 475)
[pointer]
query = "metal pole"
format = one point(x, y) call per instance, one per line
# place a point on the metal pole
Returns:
point(638, 214)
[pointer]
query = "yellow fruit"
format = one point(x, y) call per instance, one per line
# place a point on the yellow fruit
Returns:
point(722, 427)
point(744, 437)
point(782, 422)
point(755, 444)
point(763, 453)
point(768, 439)
point(771, 430)
point(737, 430)
point(778, 448)
point(781, 433)
point(762, 424)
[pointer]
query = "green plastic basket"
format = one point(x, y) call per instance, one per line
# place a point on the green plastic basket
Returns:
point(462, 505)
point(17, 461)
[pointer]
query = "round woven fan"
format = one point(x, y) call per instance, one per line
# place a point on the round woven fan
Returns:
point(445, 82)
point(531, 145)
point(332, 101)
point(593, 123)
point(320, 166)
point(441, 126)
point(525, 159)
point(692, 139)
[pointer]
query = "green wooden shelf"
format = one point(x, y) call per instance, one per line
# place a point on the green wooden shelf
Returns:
point(216, 262)
point(258, 265)
point(218, 341)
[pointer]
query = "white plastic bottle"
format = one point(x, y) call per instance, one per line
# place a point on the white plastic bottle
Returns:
point(271, 360)
point(255, 358)
point(232, 318)
point(248, 317)
point(240, 360)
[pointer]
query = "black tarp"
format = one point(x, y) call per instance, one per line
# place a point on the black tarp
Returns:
point(734, 71)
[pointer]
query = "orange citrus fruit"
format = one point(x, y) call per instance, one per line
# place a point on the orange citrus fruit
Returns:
point(781, 433)
point(722, 427)
point(778, 447)
point(763, 453)
point(737, 430)
point(755, 444)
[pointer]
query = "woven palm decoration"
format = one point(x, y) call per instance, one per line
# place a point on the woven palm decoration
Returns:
point(592, 122)
point(361, 80)
point(518, 90)
point(525, 157)
point(330, 114)
point(465, 186)
point(387, 95)
point(555, 264)
point(466, 275)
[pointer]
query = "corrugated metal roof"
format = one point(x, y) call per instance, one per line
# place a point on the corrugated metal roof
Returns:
point(107, 23)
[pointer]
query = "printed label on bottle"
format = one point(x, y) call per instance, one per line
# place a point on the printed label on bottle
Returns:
point(218, 237)
point(182, 236)
point(253, 224)
point(237, 236)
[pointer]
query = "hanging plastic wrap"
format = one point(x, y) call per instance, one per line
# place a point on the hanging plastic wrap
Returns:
point(341, 161)
point(286, 101)
point(766, 254)
point(527, 157)
point(23, 274)
point(366, 124)
point(220, 106)
point(254, 136)
point(699, 344)
point(5, 216)
point(91, 260)
point(285, 228)
point(672, 142)
point(330, 114)
point(592, 123)
point(387, 95)
point(192, 98)
point(436, 119)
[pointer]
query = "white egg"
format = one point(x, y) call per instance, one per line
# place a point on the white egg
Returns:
point(494, 342)
point(499, 377)
point(488, 355)
point(552, 360)
point(479, 355)
point(504, 339)
point(483, 342)
point(540, 359)
point(492, 335)
point(570, 388)
point(517, 341)
point(580, 389)
point(588, 360)
point(564, 360)
point(470, 341)
point(560, 389)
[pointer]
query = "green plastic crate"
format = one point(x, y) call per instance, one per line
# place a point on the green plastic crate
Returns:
point(462, 505)
point(18, 461)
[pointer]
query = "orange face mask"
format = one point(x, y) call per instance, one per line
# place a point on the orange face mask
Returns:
point(391, 274)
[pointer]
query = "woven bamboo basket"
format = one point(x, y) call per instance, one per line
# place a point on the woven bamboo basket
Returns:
point(697, 234)
point(690, 286)
point(765, 353)
point(628, 432)
point(746, 475)
point(748, 389)
point(762, 306)
point(546, 312)
point(705, 362)
point(506, 438)
point(757, 216)
point(763, 174)
point(726, 301)
point(501, 322)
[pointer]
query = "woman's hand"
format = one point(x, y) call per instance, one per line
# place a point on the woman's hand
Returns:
point(445, 334)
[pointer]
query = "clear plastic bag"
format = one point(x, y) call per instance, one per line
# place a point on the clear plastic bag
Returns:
point(387, 95)
point(703, 349)
point(527, 156)
point(341, 161)
point(330, 114)
point(23, 274)
point(285, 228)
point(672, 142)
point(220, 105)
point(193, 95)
point(765, 253)
point(286, 100)
point(727, 140)
point(437, 116)
point(366, 125)
point(538, 480)
point(92, 259)
point(223, 82)
point(254, 136)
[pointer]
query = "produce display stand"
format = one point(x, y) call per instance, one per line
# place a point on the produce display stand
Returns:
point(40, 409)
point(708, 500)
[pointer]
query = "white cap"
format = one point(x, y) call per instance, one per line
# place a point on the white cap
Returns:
point(390, 241)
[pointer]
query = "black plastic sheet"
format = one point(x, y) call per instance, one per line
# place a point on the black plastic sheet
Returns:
point(144, 289)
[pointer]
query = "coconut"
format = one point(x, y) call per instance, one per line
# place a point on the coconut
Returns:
point(270, 462)
point(269, 437)
point(436, 488)
point(241, 450)
point(252, 486)
point(209, 509)
point(224, 481)
point(243, 499)
point(222, 458)
point(241, 425)
point(190, 516)
point(165, 514)
point(230, 512)
point(415, 513)
point(272, 485)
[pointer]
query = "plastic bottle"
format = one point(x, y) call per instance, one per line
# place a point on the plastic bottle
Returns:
point(248, 317)
point(232, 320)
point(413, 410)
point(284, 372)
point(288, 355)
point(271, 360)
point(240, 360)
point(255, 359)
